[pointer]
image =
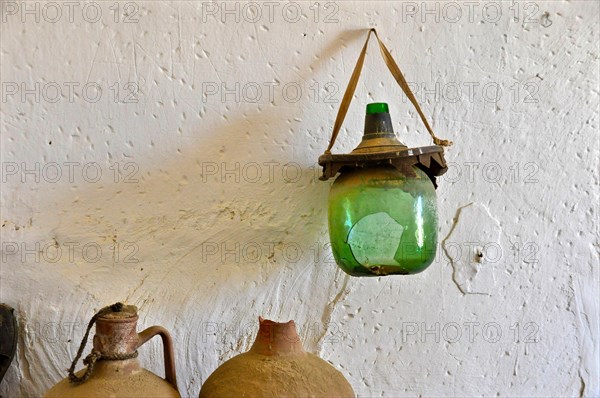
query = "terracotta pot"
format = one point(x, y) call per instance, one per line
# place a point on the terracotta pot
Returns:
point(116, 337)
point(276, 366)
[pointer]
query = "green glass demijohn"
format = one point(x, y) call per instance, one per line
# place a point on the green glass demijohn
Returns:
point(382, 218)
point(382, 207)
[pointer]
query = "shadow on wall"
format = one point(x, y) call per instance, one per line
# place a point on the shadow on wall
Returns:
point(233, 185)
point(180, 237)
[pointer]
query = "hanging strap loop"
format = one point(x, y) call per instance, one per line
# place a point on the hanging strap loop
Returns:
point(398, 76)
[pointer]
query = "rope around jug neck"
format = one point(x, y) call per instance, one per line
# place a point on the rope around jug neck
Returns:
point(95, 355)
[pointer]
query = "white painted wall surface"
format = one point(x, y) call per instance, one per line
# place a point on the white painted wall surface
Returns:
point(208, 188)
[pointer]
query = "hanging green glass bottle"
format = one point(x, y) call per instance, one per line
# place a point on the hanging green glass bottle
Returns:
point(382, 221)
point(382, 210)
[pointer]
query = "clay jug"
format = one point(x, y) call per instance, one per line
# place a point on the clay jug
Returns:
point(276, 366)
point(113, 369)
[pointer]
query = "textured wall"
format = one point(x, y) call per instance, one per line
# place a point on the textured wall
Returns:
point(164, 153)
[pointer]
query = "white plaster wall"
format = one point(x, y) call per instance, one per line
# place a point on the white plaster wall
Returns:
point(204, 244)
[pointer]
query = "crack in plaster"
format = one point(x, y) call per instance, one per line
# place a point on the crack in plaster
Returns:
point(469, 270)
point(445, 249)
point(328, 312)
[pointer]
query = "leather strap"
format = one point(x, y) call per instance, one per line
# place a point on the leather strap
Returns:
point(395, 70)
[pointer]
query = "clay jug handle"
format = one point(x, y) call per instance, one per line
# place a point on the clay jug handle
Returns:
point(167, 349)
